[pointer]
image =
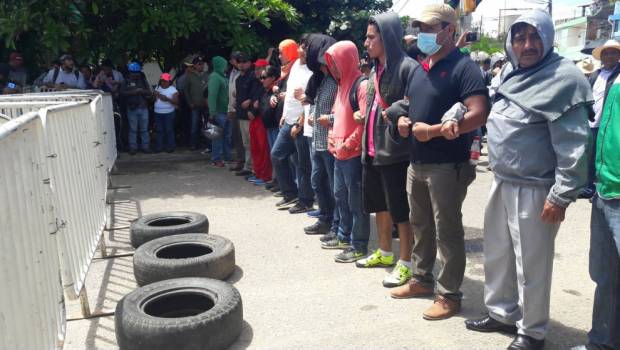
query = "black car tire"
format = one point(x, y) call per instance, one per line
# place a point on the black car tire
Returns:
point(179, 314)
point(186, 255)
point(152, 226)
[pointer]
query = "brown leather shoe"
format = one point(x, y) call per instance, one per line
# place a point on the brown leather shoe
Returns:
point(412, 289)
point(442, 309)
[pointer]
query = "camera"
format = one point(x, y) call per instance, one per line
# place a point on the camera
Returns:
point(471, 37)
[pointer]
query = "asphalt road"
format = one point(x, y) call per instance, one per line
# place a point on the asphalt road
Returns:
point(294, 295)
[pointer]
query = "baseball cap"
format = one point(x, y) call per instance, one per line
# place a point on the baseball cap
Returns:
point(66, 57)
point(165, 77)
point(16, 56)
point(261, 62)
point(198, 60)
point(434, 14)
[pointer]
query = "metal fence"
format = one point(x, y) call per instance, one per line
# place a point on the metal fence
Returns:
point(54, 176)
point(31, 306)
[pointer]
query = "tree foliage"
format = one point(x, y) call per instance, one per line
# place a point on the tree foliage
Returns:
point(167, 30)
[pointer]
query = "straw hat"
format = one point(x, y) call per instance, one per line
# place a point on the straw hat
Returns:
point(610, 44)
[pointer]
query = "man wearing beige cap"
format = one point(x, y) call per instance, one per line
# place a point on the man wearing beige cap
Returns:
point(601, 81)
point(439, 172)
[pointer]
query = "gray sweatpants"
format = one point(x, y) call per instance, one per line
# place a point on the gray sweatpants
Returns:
point(518, 257)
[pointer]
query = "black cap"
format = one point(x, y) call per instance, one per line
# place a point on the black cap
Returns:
point(197, 60)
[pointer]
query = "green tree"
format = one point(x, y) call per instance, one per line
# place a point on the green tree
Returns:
point(162, 29)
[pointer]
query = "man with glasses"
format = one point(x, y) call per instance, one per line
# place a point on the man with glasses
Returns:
point(440, 172)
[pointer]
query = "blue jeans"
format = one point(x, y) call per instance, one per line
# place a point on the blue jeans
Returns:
point(138, 122)
point(223, 145)
point(284, 148)
point(197, 114)
point(304, 170)
point(164, 126)
point(605, 272)
point(272, 135)
point(323, 186)
point(354, 223)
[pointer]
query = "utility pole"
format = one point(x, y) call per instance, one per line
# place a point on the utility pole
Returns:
point(551, 8)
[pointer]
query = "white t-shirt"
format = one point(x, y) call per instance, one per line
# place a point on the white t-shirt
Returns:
point(67, 78)
point(307, 127)
point(298, 78)
point(165, 106)
point(598, 91)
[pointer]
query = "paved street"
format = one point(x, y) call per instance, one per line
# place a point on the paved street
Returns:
point(294, 295)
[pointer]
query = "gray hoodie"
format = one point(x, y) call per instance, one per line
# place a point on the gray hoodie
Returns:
point(539, 136)
point(389, 147)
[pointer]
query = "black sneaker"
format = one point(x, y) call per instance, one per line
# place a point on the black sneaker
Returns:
point(300, 208)
point(286, 202)
point(243, 172)
point(318, 228)
point(278, 194)
point(275, 189)
point(328, 237)
point(269, 185)
point(350, 255)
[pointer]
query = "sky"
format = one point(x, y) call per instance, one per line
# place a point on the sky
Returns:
point(488, 10)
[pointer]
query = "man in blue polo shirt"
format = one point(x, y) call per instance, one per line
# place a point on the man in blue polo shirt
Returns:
point(440, 171)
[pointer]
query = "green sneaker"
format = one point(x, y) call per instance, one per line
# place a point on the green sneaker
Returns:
point(349, 255)
point(376, 260)
point(335, 244)
point(399, 276)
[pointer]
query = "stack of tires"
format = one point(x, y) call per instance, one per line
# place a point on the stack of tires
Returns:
point(182, 302)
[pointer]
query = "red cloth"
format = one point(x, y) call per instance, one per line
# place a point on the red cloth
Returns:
point(259, 148)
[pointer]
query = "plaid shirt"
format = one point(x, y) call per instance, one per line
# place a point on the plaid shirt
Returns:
point(325, 97)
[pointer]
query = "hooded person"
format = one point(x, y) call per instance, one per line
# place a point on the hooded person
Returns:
point(385, 156)
point(538, 140)
point(217, 100)
point(289, 53)
point(346, 145)
point(317, 45)
point(288, 143)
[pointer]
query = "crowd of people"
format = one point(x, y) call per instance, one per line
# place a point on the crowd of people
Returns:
point(391, 133)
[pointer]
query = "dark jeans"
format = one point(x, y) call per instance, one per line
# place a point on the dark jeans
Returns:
point(592, 160)
point(605, 272)
point(323, 186)
point(222, 146)
point(285, 147)
point(197, 118)
point(164, 126)
point(354, 223)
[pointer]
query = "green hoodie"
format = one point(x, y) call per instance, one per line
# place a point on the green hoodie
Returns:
point(218, 87)
point(607, 146)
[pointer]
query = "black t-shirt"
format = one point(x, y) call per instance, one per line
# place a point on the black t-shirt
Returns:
point(432, 93)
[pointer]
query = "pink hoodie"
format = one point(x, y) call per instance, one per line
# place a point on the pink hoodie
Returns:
point(346, 137)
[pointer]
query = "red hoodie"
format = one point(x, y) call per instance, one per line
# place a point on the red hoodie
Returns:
point(346, 137)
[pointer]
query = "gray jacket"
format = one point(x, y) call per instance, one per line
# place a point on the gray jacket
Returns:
point(389, 146)
point(535, 146)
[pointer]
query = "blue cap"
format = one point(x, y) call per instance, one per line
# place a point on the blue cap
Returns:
point(134, 67)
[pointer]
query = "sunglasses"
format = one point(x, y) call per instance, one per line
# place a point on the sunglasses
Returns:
point(263, 77)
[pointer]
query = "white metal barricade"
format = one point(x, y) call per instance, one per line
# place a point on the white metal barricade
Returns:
point(32, 313)
point(79, 184)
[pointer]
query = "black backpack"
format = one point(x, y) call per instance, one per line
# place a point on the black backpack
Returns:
point(57, 71)
point(353, 93)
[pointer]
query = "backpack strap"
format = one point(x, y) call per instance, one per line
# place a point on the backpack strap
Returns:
point(353, 93)
point(56, 72)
